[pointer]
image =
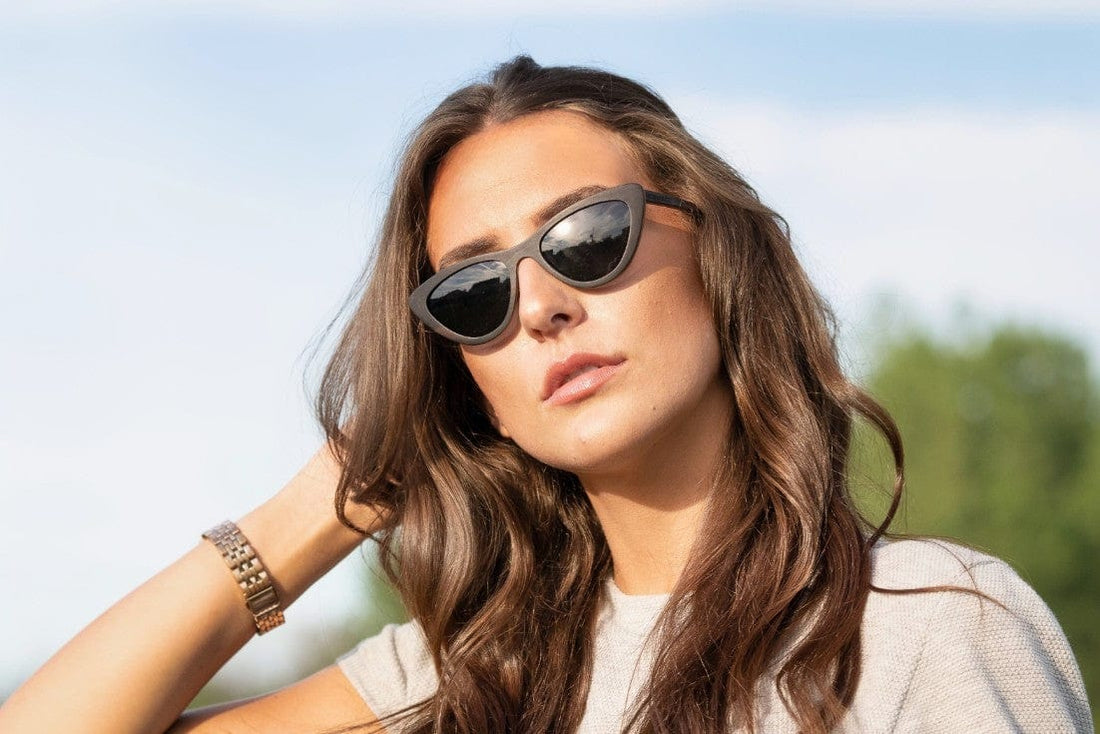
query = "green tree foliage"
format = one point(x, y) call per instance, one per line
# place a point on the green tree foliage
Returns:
point(1002, 452)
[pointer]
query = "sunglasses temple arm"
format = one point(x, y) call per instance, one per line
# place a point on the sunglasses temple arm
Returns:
point(653, 197)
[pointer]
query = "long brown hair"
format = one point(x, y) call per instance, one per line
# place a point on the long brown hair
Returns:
point(501, 559)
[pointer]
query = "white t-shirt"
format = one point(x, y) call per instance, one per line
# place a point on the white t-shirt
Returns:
point(933, 662)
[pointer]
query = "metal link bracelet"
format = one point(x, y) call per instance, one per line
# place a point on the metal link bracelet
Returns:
point(259, 593)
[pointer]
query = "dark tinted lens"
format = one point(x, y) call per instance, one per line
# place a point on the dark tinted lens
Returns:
point(473, 301)
point(589, 243)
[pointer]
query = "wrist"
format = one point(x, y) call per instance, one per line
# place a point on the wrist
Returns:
point(297, 532)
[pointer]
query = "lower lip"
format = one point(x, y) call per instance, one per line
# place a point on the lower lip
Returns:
point(583, 385)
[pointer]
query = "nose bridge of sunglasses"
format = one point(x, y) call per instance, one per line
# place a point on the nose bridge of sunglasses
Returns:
point(534, 273)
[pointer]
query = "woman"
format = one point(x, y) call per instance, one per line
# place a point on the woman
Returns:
point(607, 469)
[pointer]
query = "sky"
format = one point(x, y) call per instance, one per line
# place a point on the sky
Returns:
point(188, 192)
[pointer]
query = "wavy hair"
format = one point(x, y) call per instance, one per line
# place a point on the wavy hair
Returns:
point(500, 558)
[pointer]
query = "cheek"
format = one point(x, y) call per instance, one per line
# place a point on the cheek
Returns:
point(675, 310)
point(497, 380)
point(680, 326)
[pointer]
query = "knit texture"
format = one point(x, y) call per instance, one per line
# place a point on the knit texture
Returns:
point(932, 662)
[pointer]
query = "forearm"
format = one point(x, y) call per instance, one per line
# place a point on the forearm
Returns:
point(138, 665)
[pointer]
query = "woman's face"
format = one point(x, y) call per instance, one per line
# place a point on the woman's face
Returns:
point(590, 381)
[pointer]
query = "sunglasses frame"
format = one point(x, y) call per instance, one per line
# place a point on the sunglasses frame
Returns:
point(633, 195)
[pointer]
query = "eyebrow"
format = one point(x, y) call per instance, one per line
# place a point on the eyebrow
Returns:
point(481, 245)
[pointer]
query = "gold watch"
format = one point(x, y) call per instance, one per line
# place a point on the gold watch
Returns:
point(259, 593)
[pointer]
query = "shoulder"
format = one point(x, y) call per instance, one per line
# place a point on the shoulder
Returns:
point(922, 585)
point(983, 647)
point(391, 670)
point(949, 589)
point(922, 562)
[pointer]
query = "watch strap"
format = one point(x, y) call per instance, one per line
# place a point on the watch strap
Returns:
point(250, 574)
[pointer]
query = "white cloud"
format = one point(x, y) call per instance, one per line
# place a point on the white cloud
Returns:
point(154, 300)
point(936, 205)
point(341, 10)
point(936, 8)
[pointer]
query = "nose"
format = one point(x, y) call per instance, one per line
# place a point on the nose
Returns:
point(546, 305)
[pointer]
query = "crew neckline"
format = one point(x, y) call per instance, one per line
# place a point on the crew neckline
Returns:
point(635, 612)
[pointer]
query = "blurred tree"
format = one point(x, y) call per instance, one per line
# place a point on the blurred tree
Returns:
point(1002, 452)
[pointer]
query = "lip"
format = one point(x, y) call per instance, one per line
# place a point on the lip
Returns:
point(559, 388)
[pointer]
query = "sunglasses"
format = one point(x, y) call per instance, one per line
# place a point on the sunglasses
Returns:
point(585, 245)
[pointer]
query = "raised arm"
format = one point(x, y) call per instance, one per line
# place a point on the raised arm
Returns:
point(137, 666)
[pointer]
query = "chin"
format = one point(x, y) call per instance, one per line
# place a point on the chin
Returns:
point(594, 452)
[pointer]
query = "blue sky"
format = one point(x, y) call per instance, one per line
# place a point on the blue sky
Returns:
point(187, 191)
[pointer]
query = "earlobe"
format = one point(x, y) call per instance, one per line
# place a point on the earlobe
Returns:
point(496, 422)
point(501, 428)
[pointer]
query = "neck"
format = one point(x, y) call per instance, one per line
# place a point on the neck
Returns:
point(649, 546)
point(651, 510)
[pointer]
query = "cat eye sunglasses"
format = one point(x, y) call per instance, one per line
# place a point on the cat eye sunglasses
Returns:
point(586, 245)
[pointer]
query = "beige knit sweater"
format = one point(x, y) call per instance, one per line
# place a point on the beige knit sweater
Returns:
point(936, 662)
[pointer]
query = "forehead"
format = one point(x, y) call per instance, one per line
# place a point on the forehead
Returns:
point(493, 183)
